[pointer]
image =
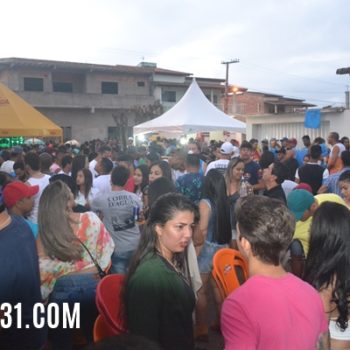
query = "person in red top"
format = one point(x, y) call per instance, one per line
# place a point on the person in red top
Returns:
point(273, 309)
point(126, 161)
point(256, 153)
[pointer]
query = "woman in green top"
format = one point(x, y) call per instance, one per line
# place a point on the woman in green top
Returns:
point(158, 296)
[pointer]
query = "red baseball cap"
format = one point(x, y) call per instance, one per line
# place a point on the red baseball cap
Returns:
point(17, 190)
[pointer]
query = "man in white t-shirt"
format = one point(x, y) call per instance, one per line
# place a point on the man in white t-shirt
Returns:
point(226, 151)
point(103, 152)
point(36, 177)
point(103, 182)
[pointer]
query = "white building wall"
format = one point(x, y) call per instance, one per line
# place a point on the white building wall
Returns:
point(157, 93)
point(85, 125)
point(341, 123)
point(296, 130)
point(292, 125)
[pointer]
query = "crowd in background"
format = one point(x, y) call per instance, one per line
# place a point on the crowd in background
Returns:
point(158, 213)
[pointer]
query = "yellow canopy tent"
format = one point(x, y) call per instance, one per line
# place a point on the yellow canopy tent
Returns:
point(19, 118)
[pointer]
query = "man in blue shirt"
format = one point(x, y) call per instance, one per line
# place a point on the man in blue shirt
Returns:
point(190, 184)
point(274, 146)
point(252, 170)
point(330, 185)
point(301, 153)
point(20, 283)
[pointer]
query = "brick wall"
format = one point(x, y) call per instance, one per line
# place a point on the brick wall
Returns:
point(249, 103)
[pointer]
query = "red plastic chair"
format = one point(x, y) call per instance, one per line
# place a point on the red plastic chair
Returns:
point(109, 304)
point(101, 329)
point(230, 270)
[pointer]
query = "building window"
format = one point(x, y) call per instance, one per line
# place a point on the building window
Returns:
point(33, 84)
point(113, 133)
point(215, 99)
point(169, 96)
point(67, 133)
point(140, 83)
point(62, 86)
point(109, 87)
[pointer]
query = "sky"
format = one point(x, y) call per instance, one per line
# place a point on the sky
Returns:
point(286, 47)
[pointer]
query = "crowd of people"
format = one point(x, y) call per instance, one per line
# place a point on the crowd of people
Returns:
point(157, 214)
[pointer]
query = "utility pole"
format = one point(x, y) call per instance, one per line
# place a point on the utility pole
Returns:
point(227, 63)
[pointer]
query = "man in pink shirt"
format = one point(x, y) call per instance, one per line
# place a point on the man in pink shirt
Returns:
point(273, 309)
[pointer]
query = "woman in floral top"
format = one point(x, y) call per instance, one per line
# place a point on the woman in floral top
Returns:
point(67, 271)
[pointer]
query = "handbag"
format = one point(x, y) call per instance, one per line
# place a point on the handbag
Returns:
point(100, 272)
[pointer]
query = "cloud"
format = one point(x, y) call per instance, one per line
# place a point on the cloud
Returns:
point(291, 46)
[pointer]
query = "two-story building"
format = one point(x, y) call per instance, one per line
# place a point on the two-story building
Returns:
point(269, 115)
point(258, 110)
point(92, 101)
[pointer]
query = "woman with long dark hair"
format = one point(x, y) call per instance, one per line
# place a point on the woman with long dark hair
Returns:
point(346, 142)
point(328, 267)
point(85, 192)
point(233, 177)
point(212, 234)
point(141, 174)
point(158, 296)
point(79, 162)
point(159, 169)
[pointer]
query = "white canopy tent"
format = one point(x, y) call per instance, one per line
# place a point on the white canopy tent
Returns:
point(193, 113)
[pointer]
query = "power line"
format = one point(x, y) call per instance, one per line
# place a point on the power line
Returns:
point(246, 64)
point(286, 73)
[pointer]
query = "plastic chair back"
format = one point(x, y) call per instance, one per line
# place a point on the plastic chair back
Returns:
point(230, 270)
point(109, 303)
